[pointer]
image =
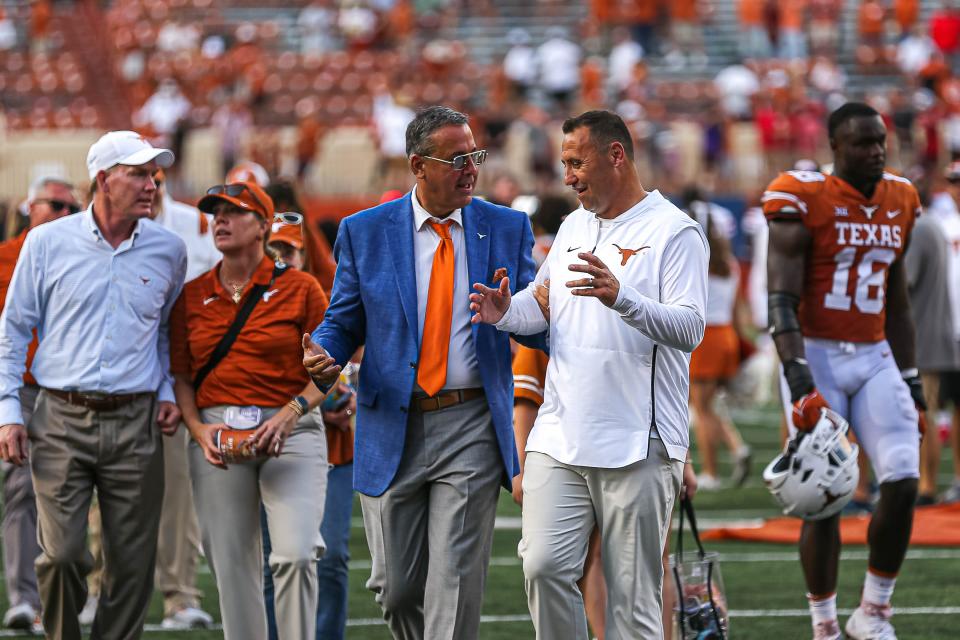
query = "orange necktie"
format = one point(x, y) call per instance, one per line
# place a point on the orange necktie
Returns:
point(432, 372)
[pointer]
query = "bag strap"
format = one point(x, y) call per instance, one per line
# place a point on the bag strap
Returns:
point(223, 347)
point(686, 505)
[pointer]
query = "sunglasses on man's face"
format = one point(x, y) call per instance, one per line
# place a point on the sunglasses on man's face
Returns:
point(459, 163)
point(59, 205)
point(234, 190)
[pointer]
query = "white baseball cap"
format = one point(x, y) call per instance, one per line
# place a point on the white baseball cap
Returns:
point(127, 148)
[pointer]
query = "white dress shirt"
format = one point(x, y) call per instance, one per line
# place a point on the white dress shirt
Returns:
point(463, 371)
point(101, 313)
point(619, 376)
point(184, 220)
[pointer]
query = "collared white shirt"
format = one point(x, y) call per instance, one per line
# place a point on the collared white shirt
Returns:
point(184, 220)
point(101, 313)
point(463, 371)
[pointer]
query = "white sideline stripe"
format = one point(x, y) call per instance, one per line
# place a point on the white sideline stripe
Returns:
point(512, 523)
point(763, 556)
point(802, 613)
point(375, 622)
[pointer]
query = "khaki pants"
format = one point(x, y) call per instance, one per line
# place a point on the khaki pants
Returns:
point(179, 543)
point(292, 488)
point(75, 450)
point(631, 505)
point(20, 548)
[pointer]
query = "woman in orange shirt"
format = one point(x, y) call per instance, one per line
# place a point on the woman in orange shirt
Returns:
point(260, 381)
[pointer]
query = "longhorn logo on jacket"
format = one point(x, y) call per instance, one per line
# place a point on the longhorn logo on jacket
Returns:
point(626, 254)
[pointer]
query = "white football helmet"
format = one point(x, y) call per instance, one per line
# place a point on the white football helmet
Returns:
point(816, 474)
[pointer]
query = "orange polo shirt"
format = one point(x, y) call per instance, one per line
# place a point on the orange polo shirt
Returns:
point(9, 252)
point(264, 367)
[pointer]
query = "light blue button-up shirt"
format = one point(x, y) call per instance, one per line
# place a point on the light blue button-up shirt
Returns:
point(101, 313)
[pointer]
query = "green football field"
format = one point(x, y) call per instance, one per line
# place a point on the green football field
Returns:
point(763, 581)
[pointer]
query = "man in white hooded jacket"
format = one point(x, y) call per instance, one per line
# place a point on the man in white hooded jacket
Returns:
point(611, 437)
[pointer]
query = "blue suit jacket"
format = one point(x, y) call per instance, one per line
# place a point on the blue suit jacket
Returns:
point(374, 303)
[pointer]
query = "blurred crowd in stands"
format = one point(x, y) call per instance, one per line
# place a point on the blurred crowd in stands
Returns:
point(701, 83)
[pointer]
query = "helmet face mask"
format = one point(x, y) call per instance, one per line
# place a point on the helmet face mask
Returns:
point(816, 475)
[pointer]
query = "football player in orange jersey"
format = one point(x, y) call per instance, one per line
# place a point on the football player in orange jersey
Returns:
point(840, 318)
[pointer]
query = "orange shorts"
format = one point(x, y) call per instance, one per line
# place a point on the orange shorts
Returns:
point(718, 356)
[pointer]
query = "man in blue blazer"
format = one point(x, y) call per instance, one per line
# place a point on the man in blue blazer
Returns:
point(434, 437)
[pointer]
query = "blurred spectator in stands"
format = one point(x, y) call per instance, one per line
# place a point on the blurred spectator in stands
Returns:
point(402, 22)
point(309, 132)
point(175, 37)
point(520, 63)
point(391, 115)
point(826, 77)
point(163, 111)
point(903, 115)
point(945, 28)
point(213, 47)
point(686, 33)
point(504, 190)
point(793, 39)
point(558, 63)
point(755, 44)
point(915, 50)
point(41, 14)
point(357, 23)
point(317, 24)
point(824, 32)
point(8, 32)
point(871, 25)
point(625, 54)
point(641, 17)
point(905, 14)
point(736, 85)
point(233, 121)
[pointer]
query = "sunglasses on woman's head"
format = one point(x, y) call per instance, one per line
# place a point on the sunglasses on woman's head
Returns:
point(288, 217)
point(234, 190)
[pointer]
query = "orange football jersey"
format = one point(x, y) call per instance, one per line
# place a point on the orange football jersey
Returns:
point(855, 240)
point(529, 374)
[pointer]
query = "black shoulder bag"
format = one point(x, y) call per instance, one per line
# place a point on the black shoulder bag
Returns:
point(223, 347)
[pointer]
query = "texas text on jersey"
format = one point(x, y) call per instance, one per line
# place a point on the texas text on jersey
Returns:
point(855, 240)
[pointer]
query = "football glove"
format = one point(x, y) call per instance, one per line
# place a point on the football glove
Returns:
point(806, 410)
point(916, 392)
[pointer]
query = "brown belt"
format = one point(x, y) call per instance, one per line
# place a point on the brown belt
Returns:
point(93, 400)
point(444, 400)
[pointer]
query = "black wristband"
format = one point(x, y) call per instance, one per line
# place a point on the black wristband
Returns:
point(799, 378)
point(916, 391)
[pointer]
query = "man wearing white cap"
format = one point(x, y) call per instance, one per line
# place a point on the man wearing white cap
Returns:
point(98, 287)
